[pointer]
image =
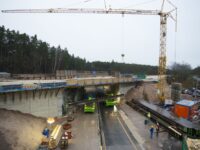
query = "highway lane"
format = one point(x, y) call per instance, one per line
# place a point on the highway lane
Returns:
point(85, 131)
point(116, 137)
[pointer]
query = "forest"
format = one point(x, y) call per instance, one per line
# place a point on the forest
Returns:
point(24, 54)
point(21, 53)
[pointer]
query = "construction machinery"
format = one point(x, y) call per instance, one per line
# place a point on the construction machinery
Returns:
point(163, 29)
point(55, 137)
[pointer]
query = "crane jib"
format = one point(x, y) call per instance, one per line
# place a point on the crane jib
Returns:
point(83, 10)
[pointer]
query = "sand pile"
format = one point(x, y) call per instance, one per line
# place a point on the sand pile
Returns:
point(20, 131)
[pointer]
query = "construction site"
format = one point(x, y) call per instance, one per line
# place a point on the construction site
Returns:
point(99, 108)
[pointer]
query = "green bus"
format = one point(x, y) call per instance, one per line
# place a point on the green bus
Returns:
point(111, 101)
point(90, 107)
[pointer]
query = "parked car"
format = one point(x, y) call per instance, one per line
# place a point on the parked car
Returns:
point(196, 93)
point(184, 91)
point(190, 91)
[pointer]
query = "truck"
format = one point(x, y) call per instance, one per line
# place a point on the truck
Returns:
point(55, 137)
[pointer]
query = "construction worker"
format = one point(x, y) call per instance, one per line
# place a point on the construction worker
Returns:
point(157, 128)
point(149, 115)
point(151, 131)
point(145, 122)
point(46, 132)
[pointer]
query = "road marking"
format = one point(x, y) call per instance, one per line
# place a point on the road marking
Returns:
point(127, 133)
point(103, 145)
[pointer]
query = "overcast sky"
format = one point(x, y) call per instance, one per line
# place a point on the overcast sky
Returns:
point(106, 37)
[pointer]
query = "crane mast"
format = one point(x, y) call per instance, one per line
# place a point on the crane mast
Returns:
point(163, 31)
point(162, 58)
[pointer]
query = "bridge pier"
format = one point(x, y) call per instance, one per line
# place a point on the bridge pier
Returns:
point(42, 103)
point(71, 95)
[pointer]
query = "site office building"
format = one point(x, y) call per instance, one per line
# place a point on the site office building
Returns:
point(187, 108)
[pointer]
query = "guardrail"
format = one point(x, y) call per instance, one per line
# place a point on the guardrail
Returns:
point(101, 132)
point(32, 86)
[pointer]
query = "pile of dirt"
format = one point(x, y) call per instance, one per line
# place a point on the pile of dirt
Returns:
point(135, 93)
point(19, 131)
point(147, 91)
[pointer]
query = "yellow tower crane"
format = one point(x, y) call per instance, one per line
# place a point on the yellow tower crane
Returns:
point(163, 29)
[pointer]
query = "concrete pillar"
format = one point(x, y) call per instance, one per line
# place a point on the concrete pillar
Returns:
point(46, 103)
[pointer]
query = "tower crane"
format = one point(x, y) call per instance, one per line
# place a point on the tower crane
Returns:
point(163, 29)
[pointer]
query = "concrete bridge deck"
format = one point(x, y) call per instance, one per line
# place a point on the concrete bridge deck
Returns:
point(27, 85)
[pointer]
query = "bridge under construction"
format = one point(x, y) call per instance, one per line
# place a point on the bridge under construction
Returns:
point(47, 98)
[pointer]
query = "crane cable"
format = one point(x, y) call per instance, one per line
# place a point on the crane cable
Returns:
point(122, 38)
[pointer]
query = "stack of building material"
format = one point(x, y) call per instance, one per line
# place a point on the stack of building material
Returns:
point(176, 91)
point(193, 144)
point(63, 74)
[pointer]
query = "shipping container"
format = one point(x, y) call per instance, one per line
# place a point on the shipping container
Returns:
point(182, 111)
point(186, 109)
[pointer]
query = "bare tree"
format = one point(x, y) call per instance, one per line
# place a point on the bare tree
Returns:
point(180, 72)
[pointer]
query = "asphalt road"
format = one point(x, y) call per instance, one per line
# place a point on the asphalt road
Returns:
point(115, 136)
point(85, 132)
